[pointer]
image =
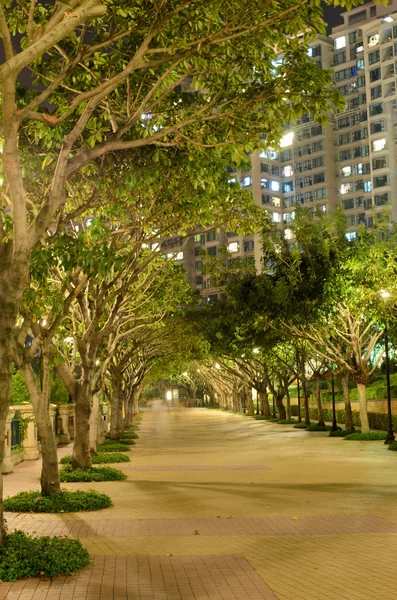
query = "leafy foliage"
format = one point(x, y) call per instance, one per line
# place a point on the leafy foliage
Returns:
point(287, 421)
point(20, 394)
point(100, 458)
point(67, 474)
point(66, 501)
point(316, 427)
point(22, 556)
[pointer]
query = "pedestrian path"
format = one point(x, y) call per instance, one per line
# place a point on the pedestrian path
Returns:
point(219, 506)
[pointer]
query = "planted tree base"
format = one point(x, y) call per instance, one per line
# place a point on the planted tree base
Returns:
point(110, 446)
point(287, 421)
point(339, 433)
point(66, 501)
point(261, 418)
point(100, 458)
point(67, 474)
point(371, 436)
point(393, 446)
point(23, 556)
point(319, 427)
point(273, 420)
point(301, 426)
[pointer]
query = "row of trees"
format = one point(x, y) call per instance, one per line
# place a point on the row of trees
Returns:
point(319, 309)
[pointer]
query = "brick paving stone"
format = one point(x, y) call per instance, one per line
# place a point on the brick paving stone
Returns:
point(271, 526)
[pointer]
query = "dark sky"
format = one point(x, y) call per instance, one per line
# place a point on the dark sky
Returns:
point(332, 16)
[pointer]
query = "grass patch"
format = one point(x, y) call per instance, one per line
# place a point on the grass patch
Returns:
point(273, 420)
point(287, 421)
point(317, 427)
point(130, 441)
point(300, 426)
point(23, 556)
point(393, 446)
point(111, 446)
point(100, 458)
point(372, 435)
point(66, 501)
point(67, 474)
point(261, 418)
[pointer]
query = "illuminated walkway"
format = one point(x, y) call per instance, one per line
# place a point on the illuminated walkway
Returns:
point(219, 506)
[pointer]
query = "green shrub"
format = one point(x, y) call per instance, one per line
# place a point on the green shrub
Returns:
point(317, 427)
point(273, 420)
point(100, 458)
point(393, 446)
point(130, 434)
point(287, 421)
point(23, 556)
point(262, 418)
point(66, 501)
point(113, 446)
point(372, 435)
point(67, 474)
point(338, 433)
point(20, 394)
point(58, 391)
point(300, 426)
point(123, 440)
point(376, 420)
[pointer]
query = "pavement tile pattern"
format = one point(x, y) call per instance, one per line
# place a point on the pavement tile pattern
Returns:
point(219, 506)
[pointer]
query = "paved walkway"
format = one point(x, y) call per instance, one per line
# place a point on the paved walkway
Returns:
point(219, 506)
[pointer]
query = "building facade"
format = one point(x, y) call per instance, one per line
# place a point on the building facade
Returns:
point(351, 162)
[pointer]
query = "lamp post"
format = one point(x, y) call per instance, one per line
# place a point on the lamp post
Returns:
point(390, 434)
point(299, 402)
point(334, 424)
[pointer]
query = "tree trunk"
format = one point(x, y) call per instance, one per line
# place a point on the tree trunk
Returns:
point(116, 403)
point(49, 479)
point(250, 404)
point(362, 397)
point(320, 412)
point(8, 316)
point(306, 400)
point(264, 402)
point(95, 420)
point(288, 399)
point(280, 407)
point(81, 458)
point(344, 379)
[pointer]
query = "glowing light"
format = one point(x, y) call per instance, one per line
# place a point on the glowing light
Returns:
point(287, 139)
point(255, 350)
point(384, 294)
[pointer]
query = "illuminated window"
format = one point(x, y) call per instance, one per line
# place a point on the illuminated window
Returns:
point(275, 186)
point(234, 247)
point(288, 171)
point(345, 188)
point(346, 171)
point(179, 256)
point(373, 40)
point(287, 139)
point(288, 234)
point(340, 42)
point(277, 217)
point(276, 201)
point(246, 181)
point(379, 145)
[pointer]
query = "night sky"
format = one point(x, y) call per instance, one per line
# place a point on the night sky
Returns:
point(332, 16)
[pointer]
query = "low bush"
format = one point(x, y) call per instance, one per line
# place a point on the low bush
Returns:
point(100, 458)
point(67, 474)
point(130, 434)
point(372, 435)
point(273, 420)
point(300, 426)
point(22, 556)
point(287, 421)
point(339, 433)
point(113, 446)
point(123, 440)
point(376, 420)
point(317, 427)
point(262, 418)
point(66, 501)
point(393, 446)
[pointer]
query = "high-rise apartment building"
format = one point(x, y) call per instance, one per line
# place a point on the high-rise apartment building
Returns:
point(350, 162)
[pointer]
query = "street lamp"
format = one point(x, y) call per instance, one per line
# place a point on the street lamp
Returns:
point(390, 434)
point(334, 424)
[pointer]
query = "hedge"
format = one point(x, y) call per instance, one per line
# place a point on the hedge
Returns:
point(376, 420)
